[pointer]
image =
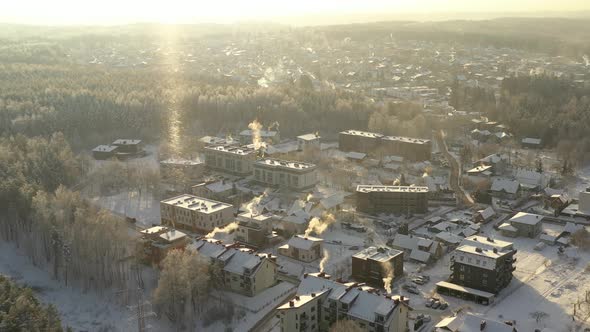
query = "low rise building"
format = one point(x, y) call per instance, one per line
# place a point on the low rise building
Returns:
point(320, 302)
point(527, 224)
point(128, 146)
point(156, 242)
point(373, 264)
point(308, 142)
point(288, 174)
point(231, 159)
point(505, 188)
point(416, 248)
point(303, 248)
point(482, 267)
point(194, 213)
point(465, 322)
point(413, 149)
point(103, 152)
point(358, 141)
point(254, 230)
point(243, 271)
point(391, 199)
point(181, 169)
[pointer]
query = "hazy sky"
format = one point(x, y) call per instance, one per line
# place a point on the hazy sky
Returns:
point(182, 11)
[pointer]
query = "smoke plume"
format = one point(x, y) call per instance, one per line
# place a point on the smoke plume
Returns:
point(324, 260)
point(252, 206)
point(319, 225)
point(586, 60)
point(396, 182)
point(388, 279)
point(223, 230)
point(256, 127)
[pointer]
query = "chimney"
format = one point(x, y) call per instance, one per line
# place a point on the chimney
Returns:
point(495, 250)
point(304, 275)
point(312, 294)
point(297, 298)
point(482, 325)
point(291, 304)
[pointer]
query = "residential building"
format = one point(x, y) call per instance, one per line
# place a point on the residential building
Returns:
point(469, 322)
point(194, 213)
point(505, 188)
point(358, 141)
point(320, 302)
point(485, 215)
point(527, 224)
point(303, 248)
point(287, 174)
point(499, 162)
point(391, 199)
point(231, 159)
point(413, 149)
point(156, 242)
point(103, 152)
point(482, 267)
point(373, 264)
point(243, 271)
point(181, 169)
point(254, 230)
point(416, 248)
point(220, 190)
point(128, 146)
point(532, 143)
point(308, 142)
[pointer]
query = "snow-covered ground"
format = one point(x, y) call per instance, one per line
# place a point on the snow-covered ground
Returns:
point(145, 208)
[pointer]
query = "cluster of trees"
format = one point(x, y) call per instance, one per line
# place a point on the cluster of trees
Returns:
point(21, 311)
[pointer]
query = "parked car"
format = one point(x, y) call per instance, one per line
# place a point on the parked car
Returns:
point(429, 303)
point(425, 277)
point(412, 291)
point(444, 306)
point(353, 248)
point(418, 281)
point(436, 304)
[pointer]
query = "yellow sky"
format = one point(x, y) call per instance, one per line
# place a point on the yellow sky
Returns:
point(182, 11)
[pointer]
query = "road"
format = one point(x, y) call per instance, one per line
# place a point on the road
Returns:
point(454, 181)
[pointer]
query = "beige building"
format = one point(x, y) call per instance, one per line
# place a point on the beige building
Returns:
point(289, 174)
point(308, 142)
point(231, 159)
point(303, 248)
point(173, 170)
point(320, 302)
point(243, 270)
point(194, 213)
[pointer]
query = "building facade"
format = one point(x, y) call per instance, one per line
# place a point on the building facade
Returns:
point(288, 174)
point(483, 267)
point(374, 264)
point(303, 248)
point(527, 224)
point(231, 159)
point(391, 199)
point(358, 141)
point(308, 142)
point(413, 149)
point(196, 214)
point(156, 242)
point(181, 169)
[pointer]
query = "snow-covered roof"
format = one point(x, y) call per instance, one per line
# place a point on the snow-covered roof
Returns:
point(448, 238)
point(356, 155)
point(526, 218)
point(304, 242)
point(529, 140)
point(507, 227)
point(377, 254)
point(420, 256)
point(242, 260)
point(571, 228)
point(469, 322)
point(219, 186)
point(172, 235)
point(487, 213)
point(506, 185)
point(493, 159)
point(488, 242)
point(194, 203)
point(309, 137)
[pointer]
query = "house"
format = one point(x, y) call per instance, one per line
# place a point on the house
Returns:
point(480, 173)
point(508, 230)
point(156, 242)
point(468, 322)
point(128, 146)
point(103, 152)
point(531, 179)
point(293, 175)
point(527, 224)
point(320, 302)
point(391, 199)
point(373, 264)
point(254, 230)
point(505, 188)
point(484, 216)
point(488, 243)
point(219, 190)
point(243, 271)
point(196, 214)
point(498, 161)
point(308, 142)
point(532, 143)
point(481, 268)
point(449, 238)
point(416, 248)
point(303, 248)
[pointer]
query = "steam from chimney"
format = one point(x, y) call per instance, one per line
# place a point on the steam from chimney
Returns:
point(252, 206)
point(309, 196)
point(396, 182)
point(586, 60)
point(388, 272)
point(318, 226)
point(223, 230)
point(273, 126)
point(324, 260)
point(256, 127)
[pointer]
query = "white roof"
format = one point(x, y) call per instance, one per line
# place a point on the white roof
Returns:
point(263, 133)
point(219, 186)
point(194, 203)
point(308, 137)
point(124, 141)
point(487, 213)
point(529, 140)
point(448, 237)
point(506, 185)
point(356, 155)
point(380, 188)
point(105, 148)
point(507, 227)
point(241, 260)
point(469, 322)
point(526, 218)
point(172, 235)
point(284, 164)
point(494, 158)
point(487, 242)
point(420, 256)
point(303, 242)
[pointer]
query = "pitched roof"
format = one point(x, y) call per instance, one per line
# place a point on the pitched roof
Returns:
point(526, 218)
point(303, 242)
point(506, 185)
point(469, 322)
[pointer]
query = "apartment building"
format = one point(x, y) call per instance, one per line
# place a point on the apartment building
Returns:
point(288, 174)
point(374, 264)
point(181, 169)
point(391, 199)
point(358, 141)
point(413, 149)
point(194, 213)
point(320, 302)
point(243, 271)
point(254, 230)
point(303, 248)
point(486, 267)
point(231, 159)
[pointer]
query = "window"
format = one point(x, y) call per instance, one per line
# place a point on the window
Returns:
point(469, 260)
point(312, 309)
point(462, 276)
point(477, 261)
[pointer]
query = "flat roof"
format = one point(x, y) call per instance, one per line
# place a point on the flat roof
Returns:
point(183, 162)
point(480, 251)
point(526, 218)
point(406, 139)
point(172, 235)
point(301, 300)
point(124, 141)
point(284, 164)
point(373, 188)
point(233, 149)
point(377, 254)
point(361, 133)
point(464, 289)
point(309, 137)
point(195, 203)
